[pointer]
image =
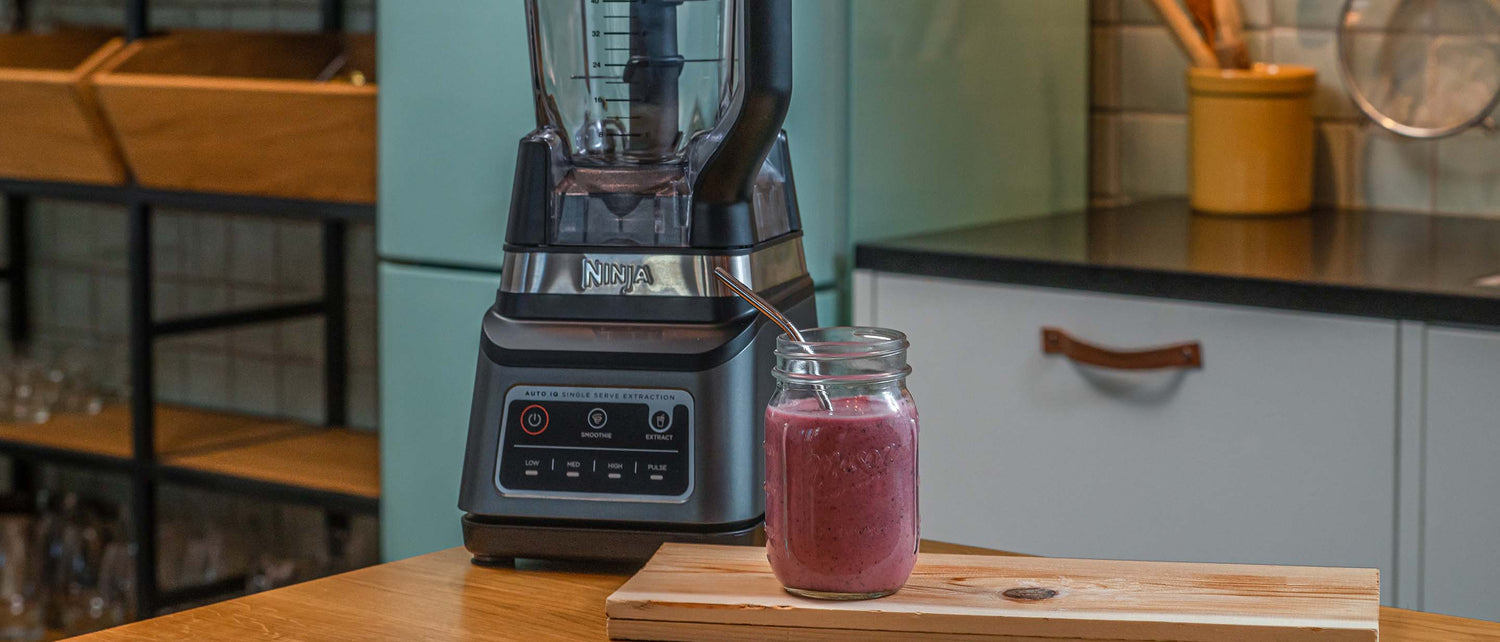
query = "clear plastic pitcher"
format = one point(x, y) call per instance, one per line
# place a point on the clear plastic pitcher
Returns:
point(632, 81)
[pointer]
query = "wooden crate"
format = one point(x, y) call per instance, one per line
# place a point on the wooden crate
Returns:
point(246, 113)
point(50, 125)
point(693, 592)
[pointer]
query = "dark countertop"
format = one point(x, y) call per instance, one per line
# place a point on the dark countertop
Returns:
point(1380, 264)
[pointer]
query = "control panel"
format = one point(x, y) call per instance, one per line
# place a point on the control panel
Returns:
point(596, 443)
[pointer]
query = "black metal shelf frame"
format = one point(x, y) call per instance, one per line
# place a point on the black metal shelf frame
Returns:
point(144, 468)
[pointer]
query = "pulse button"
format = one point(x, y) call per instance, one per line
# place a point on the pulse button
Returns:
point(661, 421)
point(534, 420)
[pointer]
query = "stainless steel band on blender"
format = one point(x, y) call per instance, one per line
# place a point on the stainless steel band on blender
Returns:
point(647, 274)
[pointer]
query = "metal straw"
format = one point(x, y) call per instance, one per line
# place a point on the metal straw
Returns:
point(775, 316)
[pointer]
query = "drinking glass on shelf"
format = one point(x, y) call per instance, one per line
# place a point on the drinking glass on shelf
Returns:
point(20, 578)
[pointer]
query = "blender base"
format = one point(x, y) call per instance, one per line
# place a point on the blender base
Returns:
point(496, 541)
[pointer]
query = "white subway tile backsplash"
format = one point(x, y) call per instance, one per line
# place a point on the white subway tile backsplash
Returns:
point(112, 306)
point(297, 19)
point(208, 380)
point(203, 263)
point(73, 301)
point(1104, 157)
point(1138, 138)
point(207, 298)
point(1467, 16)
point(170, 17)
point(211, 17)
point(362, 264)
point(259, 340)
point(252, 257)
point(1104, 67)
point(1469, 174)
point(208, 256)
point(1307, 14)
point(111, 231)
point(255, 386)
point(1153, 154)
point(362, 340)
point(252, 19)
point(171, 375)
point(1397, 172)
point(1257, 13)
point(300, 267)
point(1316, 49)
point(302, 392)
point(364, 409)
point(74, 240)
point(302, 341)
point(168, 241)
point(1335, 175)
point(1105, 11)
point(1138, 12)
point(1152, 71)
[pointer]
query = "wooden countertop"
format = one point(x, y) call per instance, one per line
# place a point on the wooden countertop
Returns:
point(441, 596)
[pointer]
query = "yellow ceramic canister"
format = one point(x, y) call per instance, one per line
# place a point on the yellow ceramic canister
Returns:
point(1251, 139)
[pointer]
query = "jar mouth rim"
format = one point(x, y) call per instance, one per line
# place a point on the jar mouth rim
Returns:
point(847, 379)
point(843, 343)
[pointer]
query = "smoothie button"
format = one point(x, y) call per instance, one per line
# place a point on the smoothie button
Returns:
point(597, 418)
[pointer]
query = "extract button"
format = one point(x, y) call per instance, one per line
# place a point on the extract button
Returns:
point(661, 421)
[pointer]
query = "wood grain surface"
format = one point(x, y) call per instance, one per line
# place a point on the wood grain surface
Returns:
point(243, 113)
point(687, 586)
point(178, 430)
point(442, 597)
point(336, 460)
point(53, 127)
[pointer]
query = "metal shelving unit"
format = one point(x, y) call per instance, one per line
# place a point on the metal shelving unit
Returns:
point(145, 465)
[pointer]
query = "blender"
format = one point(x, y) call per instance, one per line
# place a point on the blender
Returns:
point(620, 392)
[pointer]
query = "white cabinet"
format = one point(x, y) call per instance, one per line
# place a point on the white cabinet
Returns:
point(1281, 449)
point(1460, 539)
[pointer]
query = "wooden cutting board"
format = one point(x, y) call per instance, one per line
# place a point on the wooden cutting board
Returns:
point(693, 592)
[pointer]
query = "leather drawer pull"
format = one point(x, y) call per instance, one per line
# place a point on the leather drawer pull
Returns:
point(1180, 355)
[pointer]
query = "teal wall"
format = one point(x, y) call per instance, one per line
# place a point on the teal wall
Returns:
point(966, 111)
point(455, 98)
point(429, 345)
point(908, 116)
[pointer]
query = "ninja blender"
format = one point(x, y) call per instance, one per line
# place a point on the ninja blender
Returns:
point(620, 389)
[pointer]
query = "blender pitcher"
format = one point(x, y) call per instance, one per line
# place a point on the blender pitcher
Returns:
point(650, 108)
point(620, 388)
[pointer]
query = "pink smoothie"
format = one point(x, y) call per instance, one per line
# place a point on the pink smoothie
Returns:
point(841, 494)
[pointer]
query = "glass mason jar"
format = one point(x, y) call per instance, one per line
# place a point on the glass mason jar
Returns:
point(841, 465)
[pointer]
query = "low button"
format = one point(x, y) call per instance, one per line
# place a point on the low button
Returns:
point(597, 418)
point(534, 420)
point(661, 421)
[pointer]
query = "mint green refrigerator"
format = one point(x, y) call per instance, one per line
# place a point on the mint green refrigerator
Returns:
point(908, 116)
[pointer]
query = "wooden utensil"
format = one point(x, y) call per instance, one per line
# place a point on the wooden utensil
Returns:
point(1188, 38)
point(1203, 14)
point(695, 592)
point(1230, 46)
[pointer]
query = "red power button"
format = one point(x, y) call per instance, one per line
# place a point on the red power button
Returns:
point(534, 420)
